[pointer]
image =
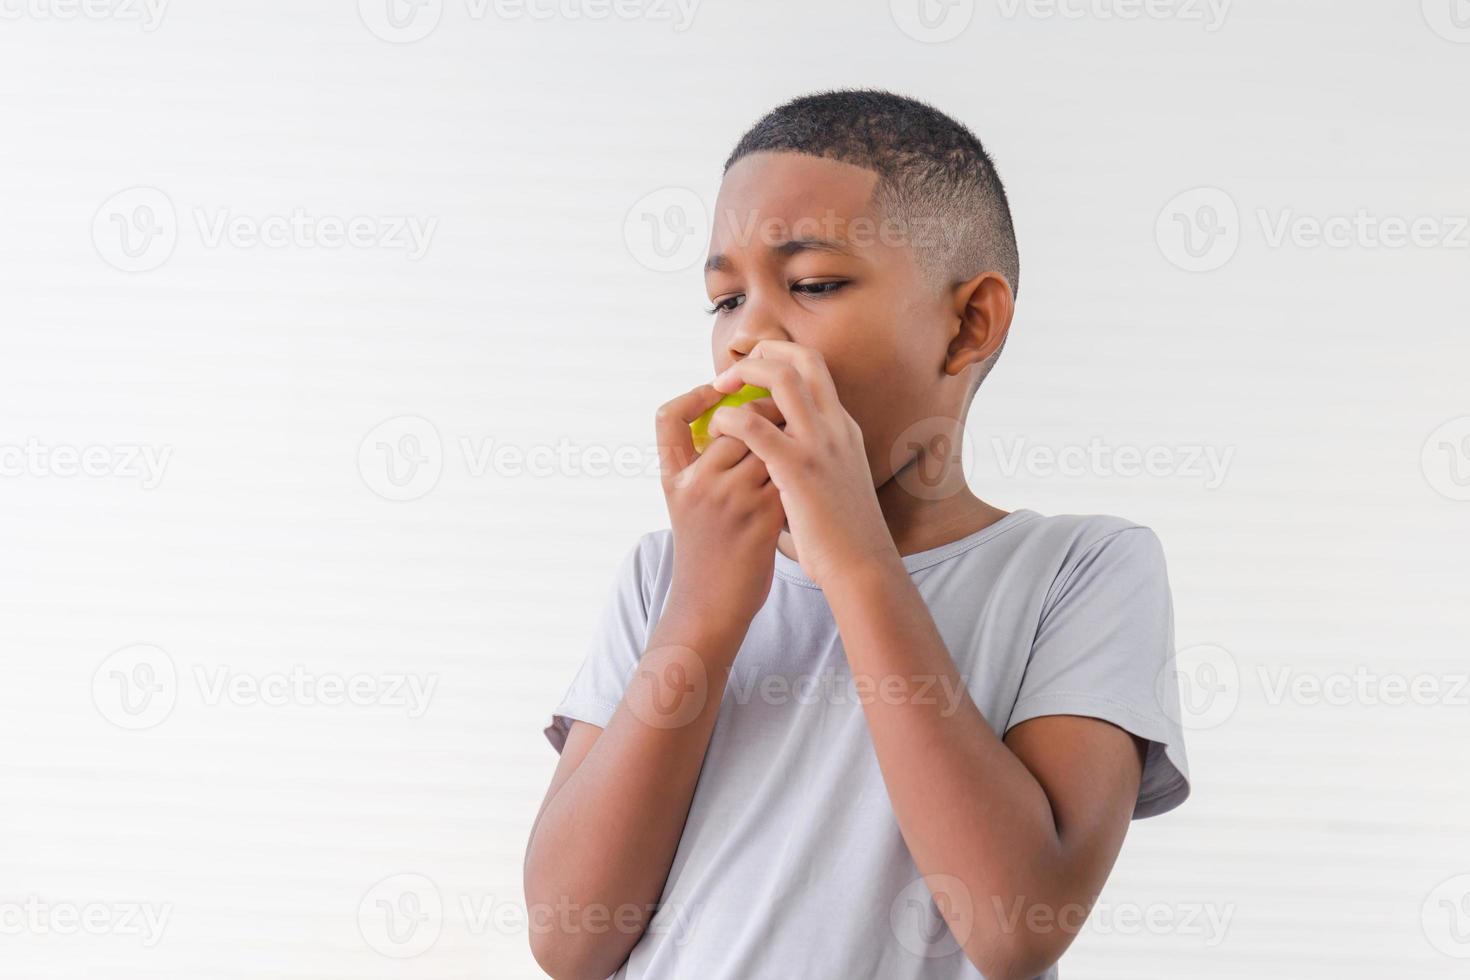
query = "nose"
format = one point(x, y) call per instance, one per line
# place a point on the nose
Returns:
point(758, 322)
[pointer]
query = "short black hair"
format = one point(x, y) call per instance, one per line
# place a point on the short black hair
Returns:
point(933, 174)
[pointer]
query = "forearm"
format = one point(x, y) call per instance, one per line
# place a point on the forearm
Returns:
point(605, 841)
point(966, 805)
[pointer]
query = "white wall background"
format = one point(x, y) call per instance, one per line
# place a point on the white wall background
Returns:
point(1333, 547)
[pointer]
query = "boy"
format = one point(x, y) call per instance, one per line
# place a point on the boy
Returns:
point(843, 718)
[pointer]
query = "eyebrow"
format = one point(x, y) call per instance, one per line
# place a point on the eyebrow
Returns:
point(786, 249)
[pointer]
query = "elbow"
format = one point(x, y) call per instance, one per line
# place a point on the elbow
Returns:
point(563, 959)
point(569, 942)
point(1014, 957)
point(576, 956)
point(576, 931)
point(562, 952)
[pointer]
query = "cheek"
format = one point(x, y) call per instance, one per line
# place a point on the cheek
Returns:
point(873, 365)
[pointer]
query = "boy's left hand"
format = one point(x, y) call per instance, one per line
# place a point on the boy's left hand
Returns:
point(817, 462)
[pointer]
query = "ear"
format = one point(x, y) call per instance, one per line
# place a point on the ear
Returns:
point(983, 308)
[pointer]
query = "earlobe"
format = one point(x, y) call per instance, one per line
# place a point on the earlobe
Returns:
point(983, 308)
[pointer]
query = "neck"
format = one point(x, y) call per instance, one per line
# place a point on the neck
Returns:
point(923, 513)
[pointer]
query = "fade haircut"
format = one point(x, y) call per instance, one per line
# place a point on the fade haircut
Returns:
point(934, 177)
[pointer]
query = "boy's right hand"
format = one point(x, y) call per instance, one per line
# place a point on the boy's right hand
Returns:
point(725, 512)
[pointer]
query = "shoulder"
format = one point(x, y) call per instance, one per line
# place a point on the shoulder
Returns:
point(656, 547)
point(1071, 537)
point(649, 561)
point(1079, 546)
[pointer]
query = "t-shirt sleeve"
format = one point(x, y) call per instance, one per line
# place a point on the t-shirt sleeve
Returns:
point(1104, 649)
point(618, 641)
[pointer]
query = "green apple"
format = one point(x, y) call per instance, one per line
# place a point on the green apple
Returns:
point(699, 428)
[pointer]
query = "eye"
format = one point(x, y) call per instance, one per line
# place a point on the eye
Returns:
point(820, 288)
point(727, 304)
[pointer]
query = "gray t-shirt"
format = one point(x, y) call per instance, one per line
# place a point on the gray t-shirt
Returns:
point(791, 863)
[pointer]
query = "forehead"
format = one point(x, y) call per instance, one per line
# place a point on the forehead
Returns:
point(766, 192)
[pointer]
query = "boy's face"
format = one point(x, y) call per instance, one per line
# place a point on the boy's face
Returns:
point(798, 253)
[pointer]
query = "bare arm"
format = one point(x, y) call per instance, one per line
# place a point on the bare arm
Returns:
point(606, 835)
point(607, 831)
point(1020, 834)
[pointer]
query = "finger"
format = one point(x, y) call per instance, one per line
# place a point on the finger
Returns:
point(787, 388)
point(768, 408)
point(756, 431)
point(809, 363)
point(724, 450)
point(722, 453)
point(750, 470)
point(671, 428)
